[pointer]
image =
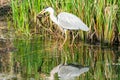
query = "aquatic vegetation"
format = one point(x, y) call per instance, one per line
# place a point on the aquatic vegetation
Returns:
point(101, 16)
point(35, 60)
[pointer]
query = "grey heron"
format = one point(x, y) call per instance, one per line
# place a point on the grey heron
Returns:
point(66, 21)
point(68, 71)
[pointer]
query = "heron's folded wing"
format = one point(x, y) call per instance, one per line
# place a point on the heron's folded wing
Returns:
point(70, 21)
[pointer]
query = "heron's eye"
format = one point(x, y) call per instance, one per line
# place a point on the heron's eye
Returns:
point(46, 7)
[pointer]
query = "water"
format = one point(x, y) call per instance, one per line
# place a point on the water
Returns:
point(35, 58)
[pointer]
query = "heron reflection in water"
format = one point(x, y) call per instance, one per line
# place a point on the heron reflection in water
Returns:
point(65, 21)
point(67, 71)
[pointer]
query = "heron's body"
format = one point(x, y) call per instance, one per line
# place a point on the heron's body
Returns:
point(71, 22)
point(66, 21)
point(68, 71)
point(71, 70)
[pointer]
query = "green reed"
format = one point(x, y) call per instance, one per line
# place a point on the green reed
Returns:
point(36, 58)
point(100, 16)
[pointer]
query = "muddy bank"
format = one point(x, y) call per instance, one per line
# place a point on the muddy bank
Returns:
point(4, 2)
point(6, 44)
point(5, 10)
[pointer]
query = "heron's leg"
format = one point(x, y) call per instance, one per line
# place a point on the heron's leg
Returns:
point(65, 38)
point(74, 36)
point(66, 60)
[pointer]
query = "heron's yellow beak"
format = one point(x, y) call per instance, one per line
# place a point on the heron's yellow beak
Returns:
point(41, 12)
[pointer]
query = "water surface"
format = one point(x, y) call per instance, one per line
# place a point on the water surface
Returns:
point(35, 58)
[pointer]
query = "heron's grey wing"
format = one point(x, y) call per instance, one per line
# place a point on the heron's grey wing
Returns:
point(70, 21)
point(67, 71)
point(71, 71)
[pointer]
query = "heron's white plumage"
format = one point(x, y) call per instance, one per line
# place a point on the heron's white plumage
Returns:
point(67, 20)
point(68, 71)
point(70, 21)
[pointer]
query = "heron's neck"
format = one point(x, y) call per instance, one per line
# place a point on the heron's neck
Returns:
point(53, 18)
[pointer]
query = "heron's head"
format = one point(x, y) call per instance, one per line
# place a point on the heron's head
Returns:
point(47, 9)
point(50, 10)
